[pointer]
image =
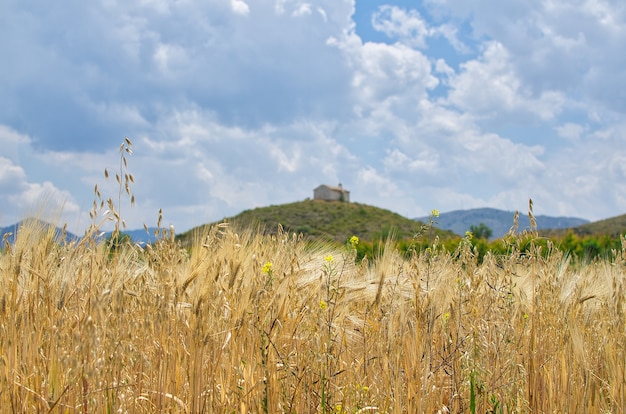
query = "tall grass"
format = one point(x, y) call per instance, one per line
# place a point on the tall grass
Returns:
point(207, 330)
point(247, 323)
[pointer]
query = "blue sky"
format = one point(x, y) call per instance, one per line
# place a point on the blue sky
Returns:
point(236, 104)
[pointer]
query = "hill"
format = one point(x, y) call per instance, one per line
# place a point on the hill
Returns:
point(612, 227)
point(8, 233)
point(499, 221)
point(331, 220)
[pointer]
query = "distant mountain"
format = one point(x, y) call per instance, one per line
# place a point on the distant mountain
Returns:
point(499, 221)
point(137, 236)
point(327, 220)
point(12, 230)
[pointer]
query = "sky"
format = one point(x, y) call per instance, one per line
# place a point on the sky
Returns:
point(237, 104)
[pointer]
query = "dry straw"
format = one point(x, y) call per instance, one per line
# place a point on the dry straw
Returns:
point(213, 328)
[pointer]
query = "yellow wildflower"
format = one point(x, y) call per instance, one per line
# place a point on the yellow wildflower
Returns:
point(354, 241)
point(434, 212)
point(267, 268)
point(323, 305)
point(329, 259)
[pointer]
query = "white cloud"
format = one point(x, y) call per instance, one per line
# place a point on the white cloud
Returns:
point(303, 9)
point(571, 47)
point(384, 73)
point(450, 33)
point(240, 7)
point(490, 86)
point(322, 13)
point(44, 193)
point(617, 169)
point(377, 184)
point(229, 113)
point(442, 67)
point(12, 177)
point(168, 57)
point(11, 143)
point(571, 131)
point(21, 198)
point(10, 137)
point(287, 162)
point(426, 162)
point(408, 26)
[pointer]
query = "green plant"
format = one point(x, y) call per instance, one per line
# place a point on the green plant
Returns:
point(481, 231)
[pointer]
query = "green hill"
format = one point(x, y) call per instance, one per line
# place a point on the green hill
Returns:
point(612, 227)
point(330, 220)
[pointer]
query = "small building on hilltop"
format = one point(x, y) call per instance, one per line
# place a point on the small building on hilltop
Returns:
point(330, 193)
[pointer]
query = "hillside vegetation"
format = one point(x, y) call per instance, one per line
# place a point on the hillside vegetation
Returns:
point(338, 221)
point(611, 227)
point(328, 220)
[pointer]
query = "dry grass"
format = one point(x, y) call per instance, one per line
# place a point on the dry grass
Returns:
point(246, 323)
point(163, 329)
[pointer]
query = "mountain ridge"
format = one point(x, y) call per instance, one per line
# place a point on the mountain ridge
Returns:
point(8, 233)
point(500, 221)
point(339, 221)
point(137, 236)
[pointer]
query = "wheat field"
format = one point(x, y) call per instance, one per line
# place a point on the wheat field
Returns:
point(240, 322)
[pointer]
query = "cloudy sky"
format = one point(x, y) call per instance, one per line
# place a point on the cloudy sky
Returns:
point(236, 104)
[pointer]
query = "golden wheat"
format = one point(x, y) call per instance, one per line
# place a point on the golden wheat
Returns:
point(206, 329)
